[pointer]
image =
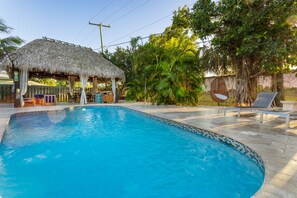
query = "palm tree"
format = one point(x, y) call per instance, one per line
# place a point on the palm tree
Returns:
point(170, 69)
point(8, 44)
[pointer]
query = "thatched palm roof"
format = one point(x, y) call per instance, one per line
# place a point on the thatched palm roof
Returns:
point(54, 56)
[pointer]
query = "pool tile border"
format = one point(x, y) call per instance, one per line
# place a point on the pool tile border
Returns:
point(33, 113)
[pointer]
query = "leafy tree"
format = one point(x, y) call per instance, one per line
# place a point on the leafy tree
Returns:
point(51, 82)
point(181, 18)
point(46, 81)
point(122, 58)
point(167, 65)
point(125, 59)
point(212, 59)
point(253, 36)
point(165, 69)
point(174, 74)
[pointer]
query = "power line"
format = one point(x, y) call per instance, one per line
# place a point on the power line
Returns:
point(141, 28)
point(91, 19)
point(131, 11)
point(145, 26)
point(102, 10)
point(88, 35)
point(79, 32)
point(138, 37)
point(118, 10)
point(105, 19)
point(113, 45)
point(110, 43)
point(117, 44)
point(88, 43)
point(126, 14)
point(122, 43)
point(128, 41)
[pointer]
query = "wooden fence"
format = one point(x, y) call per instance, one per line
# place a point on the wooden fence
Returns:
point(6, 95)
point(60, 92)
point(6, 92)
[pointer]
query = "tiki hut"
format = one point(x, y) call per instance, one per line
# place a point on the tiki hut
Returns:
point(52, 58)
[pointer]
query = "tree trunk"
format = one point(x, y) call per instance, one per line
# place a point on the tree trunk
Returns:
point(278, 86)
point(246, 87)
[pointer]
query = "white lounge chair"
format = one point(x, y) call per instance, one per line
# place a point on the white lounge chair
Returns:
point(263, 102)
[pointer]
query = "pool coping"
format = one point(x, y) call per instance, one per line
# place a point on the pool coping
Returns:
point(238, 146)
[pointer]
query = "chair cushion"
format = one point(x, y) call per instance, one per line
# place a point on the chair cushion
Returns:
point(221, 96)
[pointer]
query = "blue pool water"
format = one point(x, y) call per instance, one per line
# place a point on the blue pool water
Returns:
point(116, 152)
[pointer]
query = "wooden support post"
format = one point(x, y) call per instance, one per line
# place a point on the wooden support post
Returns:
point(71, 84)
point(71, 88)
point(95, 83)
point(114, 89)
point(100, 25)
point(17, 90)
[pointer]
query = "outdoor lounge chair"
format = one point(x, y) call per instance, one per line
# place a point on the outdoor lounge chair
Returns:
point(29, 102)
point(284, 114)
point(262, 102)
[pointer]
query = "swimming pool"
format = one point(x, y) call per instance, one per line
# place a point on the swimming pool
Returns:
point(115, 152)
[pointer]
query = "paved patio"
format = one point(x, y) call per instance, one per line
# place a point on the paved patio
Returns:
point(276, 146)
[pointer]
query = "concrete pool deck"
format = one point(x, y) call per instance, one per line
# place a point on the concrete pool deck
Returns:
point(276, 146)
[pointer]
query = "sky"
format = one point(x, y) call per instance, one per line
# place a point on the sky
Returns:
point(67, 20)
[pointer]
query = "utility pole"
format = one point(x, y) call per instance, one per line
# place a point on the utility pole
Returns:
point(100, 25)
